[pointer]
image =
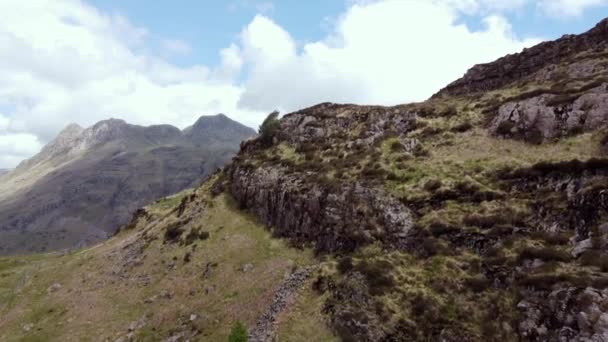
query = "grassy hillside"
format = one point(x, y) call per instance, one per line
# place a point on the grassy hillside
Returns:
point(154, 282)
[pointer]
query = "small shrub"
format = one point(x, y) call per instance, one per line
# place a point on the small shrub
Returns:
point(429, 131)
point(483, 221)
point(269, 128)
point(420, 151)
point(534, 136)
point(391, 176)
point(505, 127)
point(373, 172)
point(477, 283)
point(542, 281)
point(431, 247)
point(426, 112)
point(500, 230)
point(345, 265)
point(377, 274)
point(238, 333)
point(544, 254)
point(432, 185)
point(449, 111)
point(595, 258)
point(397, 146)
point(462, 127)
point(563, 99)
point(173, 232)
point(194, 235)
point(543, 169)
point(552, 238)
point(440, 228)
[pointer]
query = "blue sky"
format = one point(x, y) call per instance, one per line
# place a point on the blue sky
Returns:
point(169, 62)
point(208, 25)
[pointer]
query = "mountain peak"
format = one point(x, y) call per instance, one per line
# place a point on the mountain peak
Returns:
point(72, 128)
point(105, 130)
point(217, 127)
point(212, 119)
point(64, 140)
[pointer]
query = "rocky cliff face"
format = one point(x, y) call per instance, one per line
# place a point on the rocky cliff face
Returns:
point(339, 219)
point(86, 183)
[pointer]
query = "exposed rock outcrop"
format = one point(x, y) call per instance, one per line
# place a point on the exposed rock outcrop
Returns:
point(334, 220)
point(566, 314)
point(551, 116)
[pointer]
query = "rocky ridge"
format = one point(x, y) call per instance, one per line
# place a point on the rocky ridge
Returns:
point(516, 67)
point(86, 183)
point(469, 222)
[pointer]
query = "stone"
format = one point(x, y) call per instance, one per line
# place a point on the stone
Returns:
point(151, 299)
point(247, 268)
point(53, 288)
point(604, 228)
point(166, 294)
point(601, 325)
point(581, 247)
point(27, 327)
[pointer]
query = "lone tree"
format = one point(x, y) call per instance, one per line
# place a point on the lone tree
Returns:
point(269, 128)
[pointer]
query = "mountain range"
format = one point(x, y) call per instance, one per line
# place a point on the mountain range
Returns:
point(86, 183)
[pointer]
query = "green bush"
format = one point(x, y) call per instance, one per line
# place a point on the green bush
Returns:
point(420, 151)
point(505, 127)
point(269, 128)
point(432, 185)
point(397, 146)
point(238, 333)
point(462, 127)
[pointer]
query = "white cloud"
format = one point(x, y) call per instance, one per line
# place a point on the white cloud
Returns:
point(176, 46)
point(232, 63)
point(569, 8)
point(381, 52)
point(14, 147)
point(63, 61)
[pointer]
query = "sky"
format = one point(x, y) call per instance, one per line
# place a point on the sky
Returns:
point(169, 62)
